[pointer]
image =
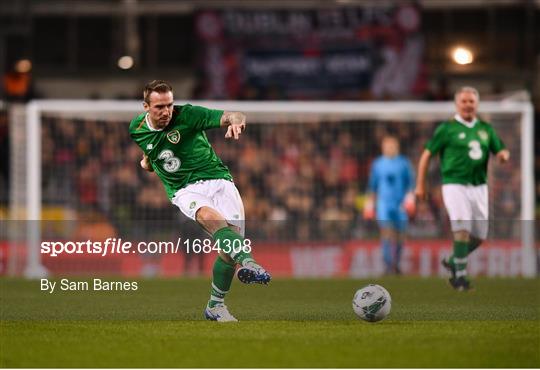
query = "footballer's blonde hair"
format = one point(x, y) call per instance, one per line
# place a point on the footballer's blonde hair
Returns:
point(467, 89)
point(159, 86)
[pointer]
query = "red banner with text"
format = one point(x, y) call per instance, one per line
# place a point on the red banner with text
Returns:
point(356, 259)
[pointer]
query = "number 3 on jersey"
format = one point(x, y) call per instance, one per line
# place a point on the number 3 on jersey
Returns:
point(476, 150)
point(171, 163)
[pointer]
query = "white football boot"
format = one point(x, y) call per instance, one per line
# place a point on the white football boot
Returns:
point(219, 313)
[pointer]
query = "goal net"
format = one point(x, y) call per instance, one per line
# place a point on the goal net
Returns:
point(301, 167)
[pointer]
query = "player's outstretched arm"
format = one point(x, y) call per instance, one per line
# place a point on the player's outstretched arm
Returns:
point(145, 163)
point(236, 122)
point(503, 156)
point(423, 166)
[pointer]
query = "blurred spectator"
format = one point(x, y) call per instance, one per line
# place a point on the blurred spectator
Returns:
point(17, 85)
point(298, 181)
point(18, 81)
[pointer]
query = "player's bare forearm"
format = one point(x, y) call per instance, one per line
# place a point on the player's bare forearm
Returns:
point(145, 164)
point(369, 206)
point(503, 156)
point(232, 118)
point(235, 123)
point(423, 165)
point(370, 197)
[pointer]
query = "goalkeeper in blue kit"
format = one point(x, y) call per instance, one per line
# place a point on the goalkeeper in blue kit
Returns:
point(390, 199)
point(176, 148)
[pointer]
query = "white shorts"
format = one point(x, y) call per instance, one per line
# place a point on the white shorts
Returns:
point(221, 195)
point(467, 207)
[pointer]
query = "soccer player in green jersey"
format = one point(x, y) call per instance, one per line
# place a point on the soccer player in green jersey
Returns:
point(464, 145)
point(175, 146)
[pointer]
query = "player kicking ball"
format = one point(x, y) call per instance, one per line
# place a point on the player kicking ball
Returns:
point(175, 146)
point(464, 144)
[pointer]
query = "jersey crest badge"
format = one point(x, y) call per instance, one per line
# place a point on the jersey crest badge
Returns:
point(173, 136)
point(483, 135)
point(462, 135)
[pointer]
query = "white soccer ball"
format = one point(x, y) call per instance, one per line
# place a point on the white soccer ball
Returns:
point(372, 303)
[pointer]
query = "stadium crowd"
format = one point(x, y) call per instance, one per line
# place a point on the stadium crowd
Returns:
point(298, 181)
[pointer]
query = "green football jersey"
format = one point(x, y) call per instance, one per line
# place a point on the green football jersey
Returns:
point(464, 151)
point(180, 154)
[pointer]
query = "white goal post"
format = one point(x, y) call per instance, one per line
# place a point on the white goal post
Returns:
point(271, 112)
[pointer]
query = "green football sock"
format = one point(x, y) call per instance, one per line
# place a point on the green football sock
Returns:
point(460, 257)
point(234, 242)
point(222, 276)
point(451, 261)
point(471, 247)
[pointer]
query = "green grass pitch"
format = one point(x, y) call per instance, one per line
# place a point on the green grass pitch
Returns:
point(291, 323)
